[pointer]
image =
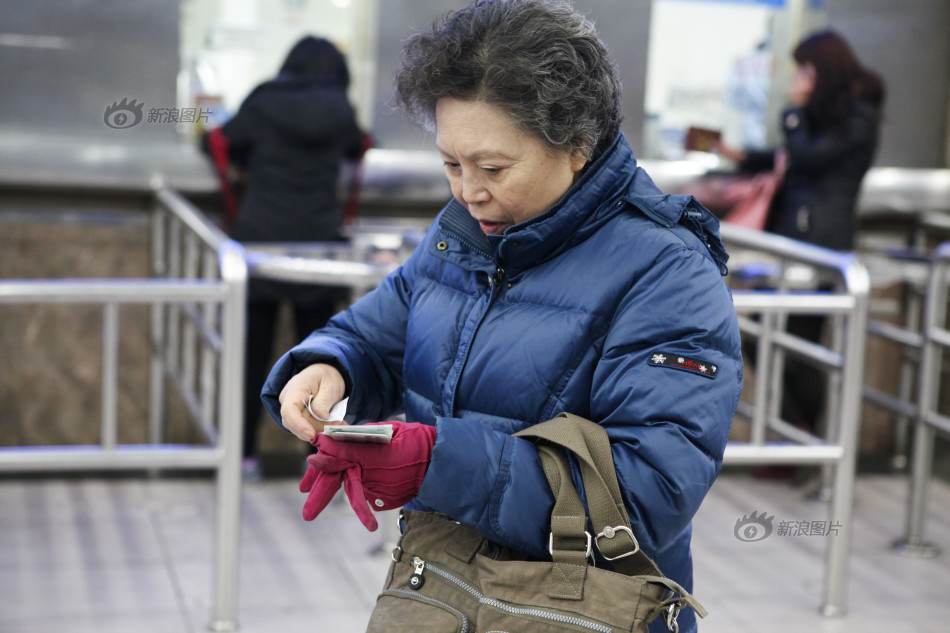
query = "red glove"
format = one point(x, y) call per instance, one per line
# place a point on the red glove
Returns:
point(385, 475)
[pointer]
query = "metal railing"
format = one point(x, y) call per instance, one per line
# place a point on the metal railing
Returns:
point(921, 337)
point(927, 419)
point(774, 440)
point(198, 294)
point(197, 299)
point(899, 255)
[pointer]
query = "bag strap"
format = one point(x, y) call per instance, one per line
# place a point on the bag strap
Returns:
point(588, 441)
point(570, 543)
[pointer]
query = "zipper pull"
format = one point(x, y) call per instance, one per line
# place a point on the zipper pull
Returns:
point(416, 580)
point(499, 275)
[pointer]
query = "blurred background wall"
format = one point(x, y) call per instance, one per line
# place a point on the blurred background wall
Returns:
point(62, 64)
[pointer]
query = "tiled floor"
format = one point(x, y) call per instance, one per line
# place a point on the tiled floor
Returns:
point(135, 555)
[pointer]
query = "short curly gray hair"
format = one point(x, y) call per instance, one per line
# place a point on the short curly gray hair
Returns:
point(539, 60)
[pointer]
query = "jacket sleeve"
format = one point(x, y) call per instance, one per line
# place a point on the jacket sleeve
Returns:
point(668, 426)
point(366, 343)
point(669, 421)
point(241, 132)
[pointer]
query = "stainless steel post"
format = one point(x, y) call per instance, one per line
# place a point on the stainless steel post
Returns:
point(210, 360)
point(935, 306)
point(842, 504)
point(110, 375)
point(909, 360)
point(230, 426)
point(764, 385)
point(157, 311)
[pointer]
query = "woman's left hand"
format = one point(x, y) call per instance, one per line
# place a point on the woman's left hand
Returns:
point(319, 385)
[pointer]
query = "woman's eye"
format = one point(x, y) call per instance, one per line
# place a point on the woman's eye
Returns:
point(491, 170)
point(450, 164)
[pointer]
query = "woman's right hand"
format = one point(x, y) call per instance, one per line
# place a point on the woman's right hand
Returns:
point(727, 152)
point(326, 385)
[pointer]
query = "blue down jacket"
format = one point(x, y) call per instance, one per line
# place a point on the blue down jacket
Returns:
point(610, 305)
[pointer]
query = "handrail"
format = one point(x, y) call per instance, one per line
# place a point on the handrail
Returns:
point(908, 265)
point(837, 451)
point(921, 271)
point(926, 419)
point(207, 303)
point(208, 232)
point(198, 296)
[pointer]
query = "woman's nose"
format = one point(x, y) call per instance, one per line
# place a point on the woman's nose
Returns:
point(473, 190)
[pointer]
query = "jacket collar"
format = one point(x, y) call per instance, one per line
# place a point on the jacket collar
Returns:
point(606, 187)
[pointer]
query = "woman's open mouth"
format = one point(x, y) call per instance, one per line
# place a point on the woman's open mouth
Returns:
point(492, 228)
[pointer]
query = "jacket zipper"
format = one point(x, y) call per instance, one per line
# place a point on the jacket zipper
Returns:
point(493, 280)
point(420, 566)
point(494, 283)
point(468, 243)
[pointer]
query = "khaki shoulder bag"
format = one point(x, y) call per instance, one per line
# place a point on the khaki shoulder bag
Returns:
point(446, 577)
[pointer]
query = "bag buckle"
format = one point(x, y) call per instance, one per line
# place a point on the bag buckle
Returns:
point(590, 551)
point(609, 533)
point(672, 613)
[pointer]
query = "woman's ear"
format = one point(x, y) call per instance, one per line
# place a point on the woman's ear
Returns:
point(578, 160)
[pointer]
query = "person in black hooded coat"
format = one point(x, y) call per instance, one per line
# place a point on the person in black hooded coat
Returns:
point(288, 140)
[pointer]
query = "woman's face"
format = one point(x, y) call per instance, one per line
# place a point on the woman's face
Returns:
point(803, 84)
point(503, 175)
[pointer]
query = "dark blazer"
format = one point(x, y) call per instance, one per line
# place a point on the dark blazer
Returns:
point(816, 201)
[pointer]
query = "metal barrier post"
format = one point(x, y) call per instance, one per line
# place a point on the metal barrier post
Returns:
point(935, 307)
point(157, 314)
point(842, 502)
point(230, 429)
point(110, 376)
point(838, 449)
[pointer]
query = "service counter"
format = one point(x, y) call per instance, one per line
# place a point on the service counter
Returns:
point(394, 182)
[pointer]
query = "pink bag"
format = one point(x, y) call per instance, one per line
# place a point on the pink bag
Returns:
point(753, 199)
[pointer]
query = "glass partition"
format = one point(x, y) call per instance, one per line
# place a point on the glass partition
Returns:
point(720, 68)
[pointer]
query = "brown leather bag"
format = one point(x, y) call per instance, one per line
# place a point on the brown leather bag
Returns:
point(446, 577)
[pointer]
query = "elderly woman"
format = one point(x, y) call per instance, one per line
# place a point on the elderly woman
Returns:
point(558, 278)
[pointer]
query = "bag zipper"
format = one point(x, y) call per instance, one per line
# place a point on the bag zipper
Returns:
point(541, 614)
point(420, 566)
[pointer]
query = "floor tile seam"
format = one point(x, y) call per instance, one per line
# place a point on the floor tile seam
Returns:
point(171, 572)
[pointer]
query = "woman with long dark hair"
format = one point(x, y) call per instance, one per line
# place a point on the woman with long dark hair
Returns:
point(831, 127)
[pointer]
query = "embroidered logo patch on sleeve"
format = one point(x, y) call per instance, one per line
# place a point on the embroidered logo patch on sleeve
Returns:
point(678, 361)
